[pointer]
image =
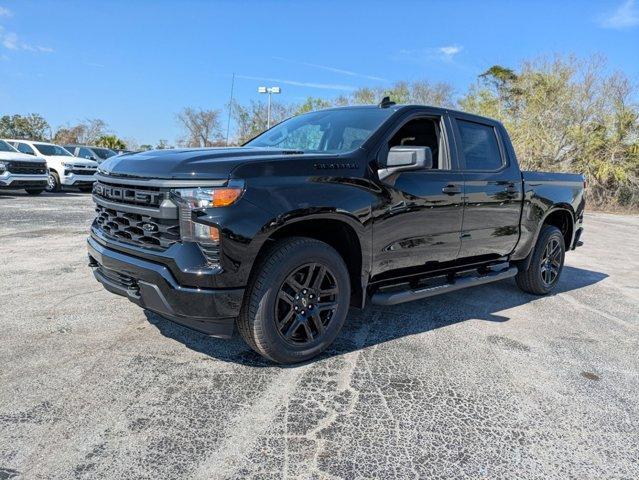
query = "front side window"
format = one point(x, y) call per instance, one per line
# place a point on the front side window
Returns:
point(51, 150)
point(479, 146)
point(24, 148)
point(5, 147)
point(421, 132)
point(326, 131)
point(85, 153)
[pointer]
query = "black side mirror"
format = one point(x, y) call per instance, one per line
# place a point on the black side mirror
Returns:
point(402, 158)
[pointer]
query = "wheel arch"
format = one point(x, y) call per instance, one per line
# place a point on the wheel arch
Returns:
point(561, 216)
point(341, 232)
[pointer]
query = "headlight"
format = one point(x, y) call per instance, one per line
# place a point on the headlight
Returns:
point(3, 166)
point(194, 199)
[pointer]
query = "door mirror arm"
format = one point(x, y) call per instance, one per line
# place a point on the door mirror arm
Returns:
point(403, 158)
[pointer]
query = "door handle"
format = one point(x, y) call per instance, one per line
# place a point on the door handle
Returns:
point(451, 189)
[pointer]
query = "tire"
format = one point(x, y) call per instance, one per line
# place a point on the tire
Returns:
point(34, 191)
point(54, 182)
point(546, 264)
point(86, 189)
point(287, 279)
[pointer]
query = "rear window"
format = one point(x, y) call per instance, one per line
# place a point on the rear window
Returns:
point(479, 146)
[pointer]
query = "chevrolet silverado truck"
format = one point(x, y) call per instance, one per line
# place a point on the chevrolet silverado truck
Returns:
point(65, 170)
point(325, 211)
point(18, 170)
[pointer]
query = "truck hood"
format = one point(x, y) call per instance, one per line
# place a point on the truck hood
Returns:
point(19, 157)
point(204, 163)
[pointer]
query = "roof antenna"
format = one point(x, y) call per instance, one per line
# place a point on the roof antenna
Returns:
point(386, 102)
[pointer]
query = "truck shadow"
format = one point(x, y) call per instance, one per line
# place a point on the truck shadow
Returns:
point(376, 325)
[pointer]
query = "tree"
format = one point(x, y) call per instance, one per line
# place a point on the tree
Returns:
point(312, 104)
point(202, 127)
point(32, 127)
point(565, 114)
point(84, 133)
point(145, 147)
point(110, 141)
point(162, 144)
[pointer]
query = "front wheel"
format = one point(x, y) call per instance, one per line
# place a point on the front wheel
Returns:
point(546, 263)
point(53, 183)
point(296, 302)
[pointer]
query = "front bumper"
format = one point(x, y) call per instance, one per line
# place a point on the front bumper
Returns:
point(77, 180)
point(152, 286)
point(15, 180)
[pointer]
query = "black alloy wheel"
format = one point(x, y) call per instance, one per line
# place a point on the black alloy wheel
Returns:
point(306, 303)
point(551, 262)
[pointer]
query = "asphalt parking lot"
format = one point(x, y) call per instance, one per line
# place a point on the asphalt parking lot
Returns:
point(482, 383)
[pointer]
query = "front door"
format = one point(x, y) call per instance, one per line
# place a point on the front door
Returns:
point(419, 222)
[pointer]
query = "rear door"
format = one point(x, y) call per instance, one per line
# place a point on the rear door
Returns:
point(492, 189)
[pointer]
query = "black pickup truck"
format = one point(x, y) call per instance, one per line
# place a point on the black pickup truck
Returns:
point(326, 211)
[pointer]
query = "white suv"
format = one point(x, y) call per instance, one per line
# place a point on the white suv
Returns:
point(64, 168)
point(18, 170)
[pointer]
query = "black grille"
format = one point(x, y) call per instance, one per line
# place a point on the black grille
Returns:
point(147, 196)
point(27, 168)
point(140, 230)
point(82, 171)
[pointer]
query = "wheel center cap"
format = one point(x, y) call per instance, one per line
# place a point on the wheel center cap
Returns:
point(304, 302)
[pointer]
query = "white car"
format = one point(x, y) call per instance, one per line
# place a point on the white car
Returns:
point(18, 170)
point(64, 169)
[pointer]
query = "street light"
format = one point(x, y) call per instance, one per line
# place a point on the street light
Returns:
point(270, 91)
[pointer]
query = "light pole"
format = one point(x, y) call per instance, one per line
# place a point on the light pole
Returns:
point(270, 91)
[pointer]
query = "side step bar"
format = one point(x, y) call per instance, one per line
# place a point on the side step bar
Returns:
point(393, 298)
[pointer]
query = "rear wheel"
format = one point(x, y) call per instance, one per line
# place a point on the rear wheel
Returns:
point(34, 191)
point(296, 302)
point(546, 263)
point(53, 183)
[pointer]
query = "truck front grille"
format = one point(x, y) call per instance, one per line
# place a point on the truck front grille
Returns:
point(136, 229)
point(27, 168)
point(130, 195)
point(82, 171)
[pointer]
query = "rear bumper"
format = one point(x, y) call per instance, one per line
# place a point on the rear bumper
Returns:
point(15, 180)
point(152, 286)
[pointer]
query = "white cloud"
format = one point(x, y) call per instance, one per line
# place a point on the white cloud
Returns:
point(10, 41)
point(5, 12)
point(334, 69)
point(450, 50)
point(324, 86)
point(445, 53)
point(625, 16)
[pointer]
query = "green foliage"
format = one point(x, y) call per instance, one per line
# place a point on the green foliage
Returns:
point(110, 141)
point(563, 115)
point(32, 126)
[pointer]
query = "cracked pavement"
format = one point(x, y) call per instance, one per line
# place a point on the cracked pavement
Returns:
point(482, 383)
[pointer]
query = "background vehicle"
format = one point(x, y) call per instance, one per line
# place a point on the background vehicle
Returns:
point(99, 154)
point(18, 170)
point(64, 169)
point(325, 211)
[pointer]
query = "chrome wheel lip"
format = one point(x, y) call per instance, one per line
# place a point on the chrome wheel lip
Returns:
point(551, 262)
point(306, 303)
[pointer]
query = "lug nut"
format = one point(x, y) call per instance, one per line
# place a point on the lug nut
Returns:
point(304, 291)
point(310, 306)
point(312, 296)
point(296, 307)
point(302, 312)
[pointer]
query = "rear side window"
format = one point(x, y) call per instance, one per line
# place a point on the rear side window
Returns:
point(479, 146)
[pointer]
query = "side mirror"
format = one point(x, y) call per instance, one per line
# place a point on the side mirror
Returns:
point(401, 159)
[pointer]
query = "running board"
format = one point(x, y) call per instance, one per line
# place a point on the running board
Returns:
point(393, 298)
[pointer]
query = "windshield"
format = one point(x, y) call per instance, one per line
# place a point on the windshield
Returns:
point(48, 149)
point(103, 153)
point(330, 131)
point(5, 147)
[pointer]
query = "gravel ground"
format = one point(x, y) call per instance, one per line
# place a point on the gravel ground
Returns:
point(483, 383)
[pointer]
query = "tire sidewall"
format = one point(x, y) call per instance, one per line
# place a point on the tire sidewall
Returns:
point(56, 181)
point(265, 322)
point(549, 234)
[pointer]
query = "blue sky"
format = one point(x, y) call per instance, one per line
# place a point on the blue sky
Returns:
point(137, 63)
